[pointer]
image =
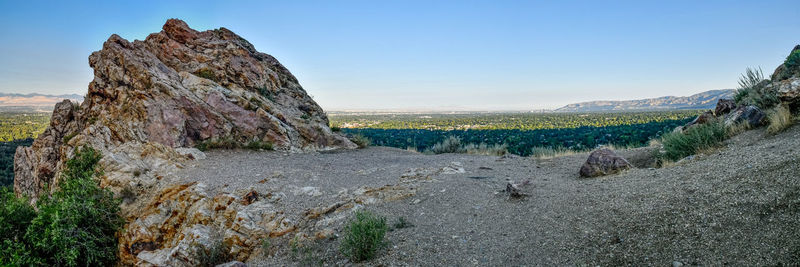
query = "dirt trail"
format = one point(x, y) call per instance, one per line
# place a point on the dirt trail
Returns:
point(739, 205)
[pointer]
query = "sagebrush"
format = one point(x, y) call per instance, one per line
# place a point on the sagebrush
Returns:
point(363, 236)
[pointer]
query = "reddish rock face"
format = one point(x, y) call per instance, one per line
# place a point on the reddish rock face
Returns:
point(603, 162)
point(177, 88)
point(724, 106)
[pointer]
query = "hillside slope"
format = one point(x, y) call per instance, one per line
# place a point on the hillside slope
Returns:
point(704, 100)
point(735, 206)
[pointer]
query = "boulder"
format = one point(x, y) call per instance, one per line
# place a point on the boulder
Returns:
point(704, 118)
point(724, 106)
point(603, 162)
point(751, 115)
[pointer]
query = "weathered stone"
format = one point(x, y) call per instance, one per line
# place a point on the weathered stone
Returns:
point(603, 162)
point(751, 115)
point(704, 118)
point(724, 106)
point(178, 88)
point(789, 91)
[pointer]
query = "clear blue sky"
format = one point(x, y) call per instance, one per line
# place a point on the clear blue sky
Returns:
point(431, 54)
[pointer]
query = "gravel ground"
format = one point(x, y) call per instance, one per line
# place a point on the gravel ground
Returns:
point(739, 205)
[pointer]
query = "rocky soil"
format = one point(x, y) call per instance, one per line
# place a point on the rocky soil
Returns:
point(738, 205)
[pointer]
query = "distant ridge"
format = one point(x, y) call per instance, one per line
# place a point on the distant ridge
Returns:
point(704, 100)
point(33, 102)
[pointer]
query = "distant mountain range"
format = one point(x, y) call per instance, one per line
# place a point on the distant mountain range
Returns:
point(704, 100)
point(33, 102)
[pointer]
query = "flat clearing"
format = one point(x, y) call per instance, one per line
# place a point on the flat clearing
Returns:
point(738, 205)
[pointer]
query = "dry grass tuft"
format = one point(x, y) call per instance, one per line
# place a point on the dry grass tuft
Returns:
point(780, 118)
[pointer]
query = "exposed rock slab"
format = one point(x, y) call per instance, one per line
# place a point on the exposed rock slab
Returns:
point(751, 115)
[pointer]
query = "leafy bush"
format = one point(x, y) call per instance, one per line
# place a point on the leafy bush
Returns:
point(451, 144)
point(74, 226)
point(363, 236)
point(360, 140)
point(336, 128)
point(680, 145)
point(753, 90)
point(780, 118)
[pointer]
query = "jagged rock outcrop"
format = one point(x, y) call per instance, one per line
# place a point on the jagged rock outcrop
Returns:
point(177, 88)
point(603, 162)
point(149, 104)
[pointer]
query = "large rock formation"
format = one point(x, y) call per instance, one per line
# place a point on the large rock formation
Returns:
point(177, 88)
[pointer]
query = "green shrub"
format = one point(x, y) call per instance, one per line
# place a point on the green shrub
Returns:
point(15, 216)
point(680, 145)
point(753, 90)
point(207, 74)
point(336, 128)
point(451, 144)
point(363, 236)
point(217, 254)
point(361, 141)
point(74, 226)
point(259, 145)
point(793, 60)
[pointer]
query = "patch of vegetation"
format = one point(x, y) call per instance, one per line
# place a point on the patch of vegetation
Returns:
point(360, 140)
point(336, 128)
point(74, 226)
point(258, 145)
point(451, 144)
point(217, 254)
point(206, 73)
point(484, 149)
point(401, 223)
point(678, 145)
point(265, 92)
point(305, 117)
point(69, 137)
point(550, 152)
point(228, 143)
point(363, 236)
point(521, 132)
point(266, 246)
point(753, 90)
point(793, 60)
point(128, 194)
point(780, 118)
